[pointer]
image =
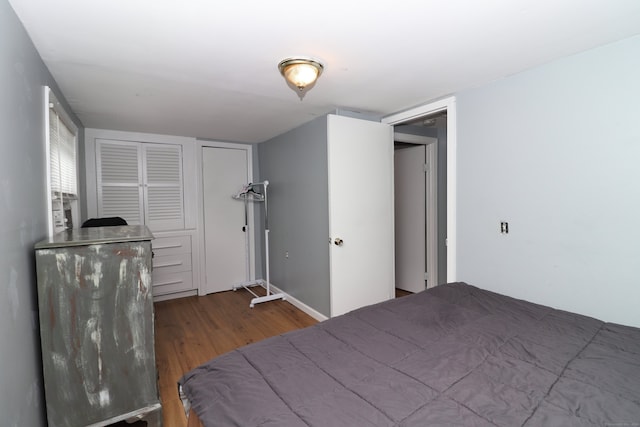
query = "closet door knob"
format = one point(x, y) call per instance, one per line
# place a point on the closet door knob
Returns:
point(338, 241)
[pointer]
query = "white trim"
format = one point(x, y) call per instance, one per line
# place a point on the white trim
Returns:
point(300, 305)
point(166, 297)
point(448, 105)
point(432, 214)
point(91, 171)
point(137, 136)
point(47, 159)
point(412, 139)
point(53, 102)
point(200, 145)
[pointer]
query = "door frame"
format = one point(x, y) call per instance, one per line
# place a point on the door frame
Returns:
point(201, 145)
point(449, 105)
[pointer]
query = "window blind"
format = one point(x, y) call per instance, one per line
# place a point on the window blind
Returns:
point(62, 156)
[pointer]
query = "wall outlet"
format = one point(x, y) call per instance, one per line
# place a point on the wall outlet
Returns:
point(504, 227)
point(286, 254)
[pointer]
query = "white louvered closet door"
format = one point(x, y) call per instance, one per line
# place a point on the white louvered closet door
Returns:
point(119, 181)
point(141, 182)
point(164, 207)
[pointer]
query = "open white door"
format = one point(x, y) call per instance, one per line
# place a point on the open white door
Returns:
point(416, 216)
point(224, 172)
point(360, 163)
point(410, 218)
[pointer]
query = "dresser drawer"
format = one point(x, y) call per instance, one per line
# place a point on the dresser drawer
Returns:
point(168, 283)
point(174, 263)
point(162, 246)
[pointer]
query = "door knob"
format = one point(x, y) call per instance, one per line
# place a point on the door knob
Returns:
point(338, 241)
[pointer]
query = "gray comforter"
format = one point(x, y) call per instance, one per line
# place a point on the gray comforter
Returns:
point(454, 355)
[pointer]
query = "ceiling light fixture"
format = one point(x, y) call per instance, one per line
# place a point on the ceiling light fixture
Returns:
point(301, 73)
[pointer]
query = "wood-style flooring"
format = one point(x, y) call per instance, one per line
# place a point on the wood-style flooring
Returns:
point(192, 330)
point(402, 293)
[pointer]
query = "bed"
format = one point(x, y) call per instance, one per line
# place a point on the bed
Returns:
point(451, 355)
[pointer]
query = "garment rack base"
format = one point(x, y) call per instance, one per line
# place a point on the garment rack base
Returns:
point(258, 299)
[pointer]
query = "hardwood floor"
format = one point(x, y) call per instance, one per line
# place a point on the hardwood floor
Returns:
point(402, 293)
point(190, 331)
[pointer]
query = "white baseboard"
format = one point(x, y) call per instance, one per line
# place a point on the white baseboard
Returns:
point(300, 305)
point(165, 297)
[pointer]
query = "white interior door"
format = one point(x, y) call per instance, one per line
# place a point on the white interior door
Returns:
point(410, 218)
point(224, 172)
point(360, 166)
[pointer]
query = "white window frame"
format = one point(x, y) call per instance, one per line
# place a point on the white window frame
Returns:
point(51, 102)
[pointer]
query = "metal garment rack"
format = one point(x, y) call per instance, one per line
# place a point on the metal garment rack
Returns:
point(249, 194)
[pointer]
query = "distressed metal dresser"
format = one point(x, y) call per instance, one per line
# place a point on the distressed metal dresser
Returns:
point(96, 326)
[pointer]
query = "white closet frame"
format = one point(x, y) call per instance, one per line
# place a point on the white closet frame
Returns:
point(188, 154)
point(190, 191)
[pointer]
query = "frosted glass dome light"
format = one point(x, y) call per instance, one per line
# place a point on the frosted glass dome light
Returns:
point(300, 73)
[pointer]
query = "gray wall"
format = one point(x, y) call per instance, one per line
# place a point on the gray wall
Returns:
point(23, 213)
point(295, 164)
point(555, 151)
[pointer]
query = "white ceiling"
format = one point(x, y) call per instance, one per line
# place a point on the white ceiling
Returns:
point(207, 68)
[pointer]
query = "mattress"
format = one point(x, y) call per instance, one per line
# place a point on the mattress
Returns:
point(454, 355)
